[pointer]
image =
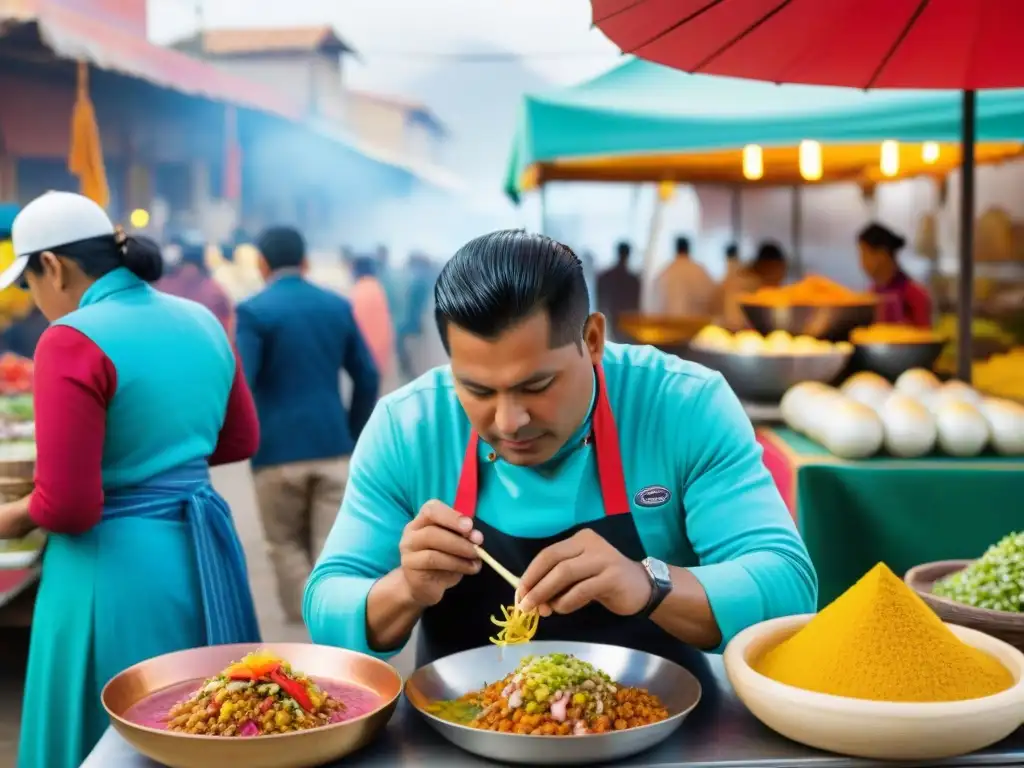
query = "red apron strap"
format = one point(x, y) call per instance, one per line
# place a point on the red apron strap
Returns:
point(469, 479)
point(609, 455)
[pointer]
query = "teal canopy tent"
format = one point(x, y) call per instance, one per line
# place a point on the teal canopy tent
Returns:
point(644, 122)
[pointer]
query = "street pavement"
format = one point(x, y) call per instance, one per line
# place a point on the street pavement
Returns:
point(235, 484)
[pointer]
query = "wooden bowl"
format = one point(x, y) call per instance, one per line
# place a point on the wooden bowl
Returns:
point(1008, 627)
point(878, 730)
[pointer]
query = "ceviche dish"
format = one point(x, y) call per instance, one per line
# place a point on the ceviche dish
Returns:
point(257, 696)
point(554, 695)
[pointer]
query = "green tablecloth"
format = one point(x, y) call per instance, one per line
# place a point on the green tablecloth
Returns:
point(853, 514)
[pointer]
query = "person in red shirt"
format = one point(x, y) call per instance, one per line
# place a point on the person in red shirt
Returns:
point(903, 301)
point(191, 279)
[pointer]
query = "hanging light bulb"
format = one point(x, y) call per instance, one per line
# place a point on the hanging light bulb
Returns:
point(666, 191)
point(889, 163)
point(930, 152)
point(753, 162)
point(810, 160)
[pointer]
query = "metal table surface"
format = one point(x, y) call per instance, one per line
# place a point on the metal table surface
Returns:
point(720, 734)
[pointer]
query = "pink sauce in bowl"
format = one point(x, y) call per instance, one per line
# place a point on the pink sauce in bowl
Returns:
point(152, 711)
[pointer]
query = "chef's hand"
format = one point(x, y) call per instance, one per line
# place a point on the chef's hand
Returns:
point(437, 551)
point(581, 570)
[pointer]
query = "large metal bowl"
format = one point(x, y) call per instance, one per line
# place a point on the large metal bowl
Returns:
point(765, 378)
point(457, 675)
point(833, 323)
point(892, 360)
point(301, 749)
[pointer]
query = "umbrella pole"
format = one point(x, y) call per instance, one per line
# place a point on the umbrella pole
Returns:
point(965, 281)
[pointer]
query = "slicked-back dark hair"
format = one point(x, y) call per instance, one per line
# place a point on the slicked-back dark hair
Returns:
point(496, 281)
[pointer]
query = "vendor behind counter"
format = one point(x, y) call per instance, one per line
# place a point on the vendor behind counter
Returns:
point(903, 301)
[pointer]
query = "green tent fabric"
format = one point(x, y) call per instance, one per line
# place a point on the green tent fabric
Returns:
point(640, 107)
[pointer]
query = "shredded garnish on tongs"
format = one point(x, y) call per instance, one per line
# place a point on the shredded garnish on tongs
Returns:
point(518, 626)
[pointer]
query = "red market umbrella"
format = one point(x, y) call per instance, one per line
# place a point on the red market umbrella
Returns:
point(942, 44)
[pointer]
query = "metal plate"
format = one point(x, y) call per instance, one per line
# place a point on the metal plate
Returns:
point(457, 675)
point(302, 749)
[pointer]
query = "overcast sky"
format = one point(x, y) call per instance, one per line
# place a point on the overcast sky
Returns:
point(553, 35)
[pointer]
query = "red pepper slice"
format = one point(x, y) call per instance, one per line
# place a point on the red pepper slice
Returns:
point(294, 689)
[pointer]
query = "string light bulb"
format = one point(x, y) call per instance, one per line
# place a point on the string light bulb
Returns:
point(753, 162)
point(666, 191)
point(889, 163)
point(930, 152)
point(810, 160)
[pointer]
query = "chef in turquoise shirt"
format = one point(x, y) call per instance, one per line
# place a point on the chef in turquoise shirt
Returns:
point(624, 484)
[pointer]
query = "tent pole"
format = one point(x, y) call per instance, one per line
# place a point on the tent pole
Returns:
point(648, 300)
point(737, 214)
point(796, 231)
point(544, 227)
point(965, 273)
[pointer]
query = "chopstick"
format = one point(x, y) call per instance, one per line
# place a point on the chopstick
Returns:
point(500, 569)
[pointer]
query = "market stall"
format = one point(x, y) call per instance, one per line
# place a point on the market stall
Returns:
point(900, 511)
point(642, 122)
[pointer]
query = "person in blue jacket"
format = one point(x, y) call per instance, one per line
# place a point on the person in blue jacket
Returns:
point(624, 484)
point(295, 339)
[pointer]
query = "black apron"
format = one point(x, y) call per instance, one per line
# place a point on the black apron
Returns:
point(462, 619)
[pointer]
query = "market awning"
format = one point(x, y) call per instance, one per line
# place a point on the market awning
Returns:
point(78, 37)
point(644, 122)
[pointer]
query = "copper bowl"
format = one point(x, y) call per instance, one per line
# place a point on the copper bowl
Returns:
point(1002, 625)
point(301, 749)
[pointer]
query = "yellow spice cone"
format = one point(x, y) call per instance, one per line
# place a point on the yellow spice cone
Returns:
point(882, 642)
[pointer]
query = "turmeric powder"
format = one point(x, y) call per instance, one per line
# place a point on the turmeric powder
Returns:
point(880, 641)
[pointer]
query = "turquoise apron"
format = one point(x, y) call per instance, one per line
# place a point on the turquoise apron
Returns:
point(162, 571)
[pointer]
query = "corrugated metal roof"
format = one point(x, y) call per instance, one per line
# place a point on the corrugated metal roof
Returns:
point(223, 42)
point(76, 36)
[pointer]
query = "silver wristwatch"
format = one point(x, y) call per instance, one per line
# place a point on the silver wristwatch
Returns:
point(661, 583)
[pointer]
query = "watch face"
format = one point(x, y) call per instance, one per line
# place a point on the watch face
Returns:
point(658, 569)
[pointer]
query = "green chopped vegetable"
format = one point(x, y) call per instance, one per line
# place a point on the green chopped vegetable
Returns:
point(994, 581)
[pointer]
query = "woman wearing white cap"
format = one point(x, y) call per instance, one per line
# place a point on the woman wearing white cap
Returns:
point(136, 394)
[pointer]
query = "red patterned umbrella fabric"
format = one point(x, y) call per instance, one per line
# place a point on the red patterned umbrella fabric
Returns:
point(957, 44)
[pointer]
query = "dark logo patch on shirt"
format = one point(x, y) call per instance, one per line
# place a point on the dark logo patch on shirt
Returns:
point(652, 496)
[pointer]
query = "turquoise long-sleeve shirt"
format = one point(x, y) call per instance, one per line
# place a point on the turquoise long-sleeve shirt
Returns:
point(681, 428)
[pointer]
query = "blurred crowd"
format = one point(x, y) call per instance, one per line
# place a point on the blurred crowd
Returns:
point(684, 289)
point(392, 307)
